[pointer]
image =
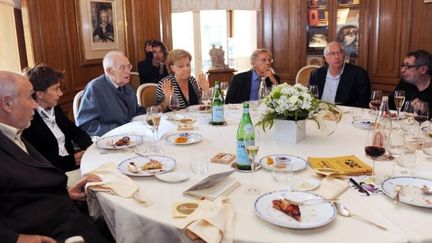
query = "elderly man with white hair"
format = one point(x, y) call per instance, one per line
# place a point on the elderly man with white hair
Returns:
point(108, 100)
point(340, 82)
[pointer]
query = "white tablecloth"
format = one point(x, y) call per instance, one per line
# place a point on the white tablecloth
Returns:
point(131, 222)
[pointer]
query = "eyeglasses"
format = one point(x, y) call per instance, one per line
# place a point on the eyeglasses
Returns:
point(125, 67)
point(263, 60)
point(334, 53)
point(408, 66)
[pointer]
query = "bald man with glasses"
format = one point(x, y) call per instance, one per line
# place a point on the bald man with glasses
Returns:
point(339, 82)
point(416, 73)
point(108, 100)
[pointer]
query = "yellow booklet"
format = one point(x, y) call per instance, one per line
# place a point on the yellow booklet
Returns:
point(346, 165)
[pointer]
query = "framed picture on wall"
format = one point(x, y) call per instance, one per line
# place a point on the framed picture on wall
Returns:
point(101, 28)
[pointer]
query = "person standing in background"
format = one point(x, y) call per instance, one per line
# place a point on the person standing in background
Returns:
point(153, 68)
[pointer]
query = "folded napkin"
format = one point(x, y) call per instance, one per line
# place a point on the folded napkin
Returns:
point(115, 183)
point(212, 221)
point(331, 187)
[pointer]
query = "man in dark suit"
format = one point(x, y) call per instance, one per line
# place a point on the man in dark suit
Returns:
point(35, 204)
point(340, 82)
point(245, 86)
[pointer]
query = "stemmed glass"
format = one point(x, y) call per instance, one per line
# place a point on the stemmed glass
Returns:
point(174, 104)
point(376, 97)
point(224, 88)
point(154, 114)
point(314, 90)
point(396, 145)
point(252, 151)
point(427, 143)
point(421, 114)
point(205, 98)
point(399, 99)
point(375, 146)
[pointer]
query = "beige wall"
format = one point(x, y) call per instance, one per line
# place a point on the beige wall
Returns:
point(9, 55)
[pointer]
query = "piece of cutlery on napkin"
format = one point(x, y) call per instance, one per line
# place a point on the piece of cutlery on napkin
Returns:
point(331, 187)
point(115, 183)
point(212, 221)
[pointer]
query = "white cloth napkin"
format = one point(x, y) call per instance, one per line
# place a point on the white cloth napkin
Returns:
point(212, 221)
point(115, 183)
point(331, 187)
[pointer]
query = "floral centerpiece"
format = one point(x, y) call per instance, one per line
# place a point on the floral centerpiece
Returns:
point(288, 106)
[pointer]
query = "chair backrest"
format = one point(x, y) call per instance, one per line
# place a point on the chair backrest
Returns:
point(304, 73)
point(146, 94)
point(134, 80)
point(76, 103)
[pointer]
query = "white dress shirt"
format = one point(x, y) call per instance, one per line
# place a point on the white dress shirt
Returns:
point(13, 134)
point(48, 117)
point(331, 86)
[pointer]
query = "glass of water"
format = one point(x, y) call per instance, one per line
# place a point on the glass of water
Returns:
point(283, 171)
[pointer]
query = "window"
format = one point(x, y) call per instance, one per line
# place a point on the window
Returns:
point(234, 30)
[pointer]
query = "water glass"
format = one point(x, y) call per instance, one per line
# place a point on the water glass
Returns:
point(408, 160)
point(314, 90)
point(199, 164)
point(282, 171)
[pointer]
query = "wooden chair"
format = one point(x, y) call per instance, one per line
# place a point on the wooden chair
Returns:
point(304, 73)
point(146, 94)
point(76, 103)
point(135, 80)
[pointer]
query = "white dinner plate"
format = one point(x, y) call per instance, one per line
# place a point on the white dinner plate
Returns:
point(191, 138)
point(411, 192)
point(173, 177)
point(108, 142)
point(199, 108)
point(307, 185)
point(168, 164)
point(363, 123)
point(312, 215)
point(297, 162)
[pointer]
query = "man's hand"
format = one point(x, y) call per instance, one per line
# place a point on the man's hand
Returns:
point(22, 238)
point(269, 74)
point(78, 156)
point(203, 83)
point(77, 192)
point(149, 47)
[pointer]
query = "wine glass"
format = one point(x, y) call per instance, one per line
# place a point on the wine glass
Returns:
point(376, 97)
point(375, 147)
point(314, 90)
point(396, 145)
point(154, 114)
point(252, 151)
point(205, 98)
point(174, 104)
point(224, 88)
point(421, 114)
point(399, 99)
point(427, 142)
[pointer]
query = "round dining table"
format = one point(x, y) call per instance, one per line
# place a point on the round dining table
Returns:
point(130, 221)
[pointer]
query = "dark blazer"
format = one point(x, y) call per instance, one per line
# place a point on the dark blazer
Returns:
point(240, 87)
point(41, 137)
point(34, 199)
point(353, 89)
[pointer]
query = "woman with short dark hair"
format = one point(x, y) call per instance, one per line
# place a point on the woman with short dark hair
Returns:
point(51, 132)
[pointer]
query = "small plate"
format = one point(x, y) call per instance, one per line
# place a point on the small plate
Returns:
point(191, 138)
point(200, 108)
point(173, 177)
point(363, 123)
point(411, 192)
point(168, 164)
point(108, 142)
point(234, 166)
point(297, 162)
point(307, 185)
point(312, 215)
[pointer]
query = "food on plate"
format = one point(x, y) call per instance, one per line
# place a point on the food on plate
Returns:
point(187, 121)
point(204, 108)
point(288, 207)
point(269, 160)
point(152, 165)
point(181, 139)
point(185, 127)
point(132, 167)
point(124, 141)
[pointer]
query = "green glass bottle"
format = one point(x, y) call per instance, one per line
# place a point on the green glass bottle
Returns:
point(245, 137)
point(217, 106)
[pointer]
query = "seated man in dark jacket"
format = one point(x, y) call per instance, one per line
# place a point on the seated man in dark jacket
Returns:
point(35, 204)
point(245, 86)
point(339, 82)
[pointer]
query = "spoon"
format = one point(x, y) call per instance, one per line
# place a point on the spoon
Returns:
point(426, 190)
point(344, 211)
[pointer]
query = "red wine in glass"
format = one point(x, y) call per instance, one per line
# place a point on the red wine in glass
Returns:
point(420, 119)
point(374, 151)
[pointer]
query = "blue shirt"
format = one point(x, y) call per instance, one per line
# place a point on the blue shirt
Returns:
point(255, 85)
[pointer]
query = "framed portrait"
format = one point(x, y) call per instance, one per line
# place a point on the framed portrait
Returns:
point(101, 28)
point(317, 40)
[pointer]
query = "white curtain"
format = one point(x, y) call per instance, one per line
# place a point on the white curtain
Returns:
point(197, 5)
point(14, 3)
